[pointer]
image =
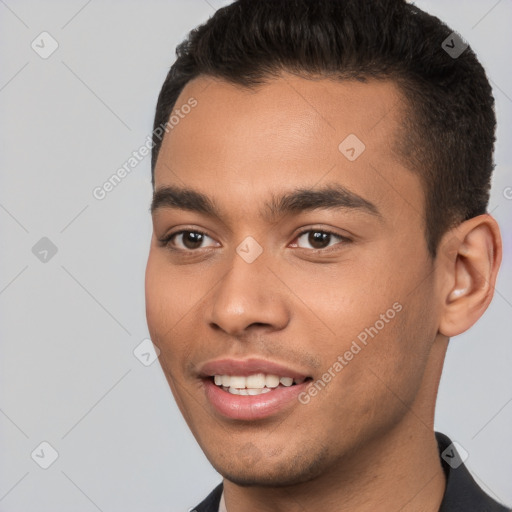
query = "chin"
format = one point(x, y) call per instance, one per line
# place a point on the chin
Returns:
point(257, 479)
point(284, 473)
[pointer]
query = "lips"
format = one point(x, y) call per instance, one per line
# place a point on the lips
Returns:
point(248, 367)
point(221, 378)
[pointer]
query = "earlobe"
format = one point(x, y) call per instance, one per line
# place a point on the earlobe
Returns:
point(470, 272)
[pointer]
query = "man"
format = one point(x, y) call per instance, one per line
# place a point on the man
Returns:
point(321, 175)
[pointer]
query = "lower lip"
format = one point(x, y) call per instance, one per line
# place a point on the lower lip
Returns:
point(252, 407)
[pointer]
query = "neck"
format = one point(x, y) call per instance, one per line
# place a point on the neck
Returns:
point(399, 470)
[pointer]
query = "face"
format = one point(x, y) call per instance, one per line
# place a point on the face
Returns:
point(285, 253)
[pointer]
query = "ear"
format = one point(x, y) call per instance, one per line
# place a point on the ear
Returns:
point(469, 259)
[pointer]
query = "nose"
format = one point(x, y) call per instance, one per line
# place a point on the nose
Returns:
point(249, 296)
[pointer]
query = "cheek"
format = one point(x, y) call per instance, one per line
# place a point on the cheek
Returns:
point(375, 382)
point(156, 299)
point(171, 291)
point(367, 315)
point(341, 302)
point(166, 301)
point(175, 298)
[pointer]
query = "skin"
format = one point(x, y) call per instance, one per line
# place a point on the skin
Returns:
point(366, 441)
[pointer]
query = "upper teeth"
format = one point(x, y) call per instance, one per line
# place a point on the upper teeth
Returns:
point(256, 381)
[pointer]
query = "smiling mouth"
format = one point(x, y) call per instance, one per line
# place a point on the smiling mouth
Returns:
point(256, 384)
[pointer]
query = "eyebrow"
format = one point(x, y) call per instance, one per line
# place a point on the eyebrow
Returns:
point(333, 196)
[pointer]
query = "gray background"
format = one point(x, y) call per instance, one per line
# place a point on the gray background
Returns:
point(69, 325)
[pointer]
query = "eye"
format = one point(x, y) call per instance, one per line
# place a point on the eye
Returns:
point(188, 240)
point(318, 239)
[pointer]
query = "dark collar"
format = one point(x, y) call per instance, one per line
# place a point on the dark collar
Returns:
point(462, 493)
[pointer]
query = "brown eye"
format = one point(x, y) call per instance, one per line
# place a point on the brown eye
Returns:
point(318, 239)
point(189, 240)
point(192, 240)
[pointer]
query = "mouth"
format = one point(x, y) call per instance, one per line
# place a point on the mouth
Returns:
point(256, 384)
point(251, 389)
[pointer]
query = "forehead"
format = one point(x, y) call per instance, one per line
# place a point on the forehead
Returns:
point(287, 132)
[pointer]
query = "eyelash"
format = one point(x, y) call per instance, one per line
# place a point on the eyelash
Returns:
point(166, 242)
point(342, 238)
